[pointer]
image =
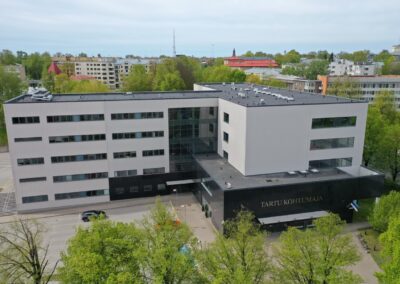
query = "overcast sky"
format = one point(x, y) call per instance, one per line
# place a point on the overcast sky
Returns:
point(202, 27)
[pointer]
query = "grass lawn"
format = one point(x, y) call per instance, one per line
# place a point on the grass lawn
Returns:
point(366, 206)
point(3, 137)
point(371, 238)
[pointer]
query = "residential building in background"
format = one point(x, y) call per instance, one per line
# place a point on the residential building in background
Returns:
point(396, 51)
point(17, 69)
point(300, 84)
point(287, 156)
point(108, 70)
point(369, 85)
point(342, 67)
point(244, 63)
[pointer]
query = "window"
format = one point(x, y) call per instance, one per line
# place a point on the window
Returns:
point(211, 111)
point(79, 158)
point(25, 120)
point(331, 163)
point(332, 143)
point(134, 188)
point(32, 179)
point(78, 177)
point(30, 161)
point(36, 198)
point(133, 135)
point(137, 115)
point(75, 118)
point(77, 138)
point(125, 173)
point(226, 137)
point(119, 190)
point(147, 187)
point(123, 155)
point(161, 186)
point(149, 153)
point(226, 155)
point(152, 171)
point(80, 194)
point(211, 128)
point(28, 139)
point(226, 117)
point(330, 122)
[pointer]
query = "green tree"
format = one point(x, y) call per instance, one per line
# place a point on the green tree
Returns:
point(345, 87)
point(23, 256)
point(82, 54)
point(317, 67)
point(390, 241)
point(137, 80)
point(373, 134)
point(275, 83)
point(248, 54)
point(387, 207)
point(297, 70)
point(7, 57)
point(323, 54)
point(385, 102)
point(356, 56)
point(170, 247)
point(223, 73)
point(382, 56)
point(319, 255)
point(89, 86)
point(253, 79)
point(104, 252)
point(290, 57)
point(35, 63)
point(10, 86)
point(388, 157)
point(239, 256)
point(189, 69)
point(167, 77)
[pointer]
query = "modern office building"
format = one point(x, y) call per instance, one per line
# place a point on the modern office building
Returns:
point(369, 85)
point(285, 155)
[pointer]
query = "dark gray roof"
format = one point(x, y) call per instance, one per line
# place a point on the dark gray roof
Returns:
point(223, 173)
point(242, 94)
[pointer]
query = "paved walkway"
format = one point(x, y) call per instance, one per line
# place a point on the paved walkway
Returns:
point(6, 178)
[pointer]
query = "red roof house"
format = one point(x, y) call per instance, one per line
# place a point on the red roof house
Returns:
point(249, 62)
point(53, 68)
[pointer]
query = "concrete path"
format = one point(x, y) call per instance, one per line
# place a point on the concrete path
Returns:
point(6, 178)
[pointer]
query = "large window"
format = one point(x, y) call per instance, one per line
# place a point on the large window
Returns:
point(123, 155)
point(156, 152)
point(134, 135)
point(152, 171)
point(77, 138)
point(125, 173)
point(330, 122)
point(25, 120)
point(78, 177)
point(33, 179)
point(137, 115)
point(332, 143)
point(80, 194)
point(75, 118)
point(79, 158)
point(30, 161)
point(28, 139)
point(226, 117)
point(36, 198)
point(331, 163)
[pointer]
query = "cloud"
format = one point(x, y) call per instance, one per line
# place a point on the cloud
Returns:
point(145, 27)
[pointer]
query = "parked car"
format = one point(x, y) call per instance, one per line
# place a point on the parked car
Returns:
point(86, 215)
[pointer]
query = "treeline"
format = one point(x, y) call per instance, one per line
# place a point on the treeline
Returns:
point(180, 73)
point(161, 249)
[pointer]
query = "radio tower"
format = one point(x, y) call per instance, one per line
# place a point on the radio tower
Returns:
point(173, 45)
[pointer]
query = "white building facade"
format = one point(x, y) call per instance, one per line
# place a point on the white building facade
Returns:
point(86, 149)
point(341, 67)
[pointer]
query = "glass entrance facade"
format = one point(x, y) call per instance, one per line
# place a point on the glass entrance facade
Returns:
point(191, 131)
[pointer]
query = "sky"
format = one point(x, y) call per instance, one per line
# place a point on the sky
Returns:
point(202, 27)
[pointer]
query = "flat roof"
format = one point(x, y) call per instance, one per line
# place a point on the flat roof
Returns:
point(229, 178)
point(247, 95)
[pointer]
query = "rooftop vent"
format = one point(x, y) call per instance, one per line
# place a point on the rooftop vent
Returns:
point(129, 93)
point(262, 101)
point(40, 94)
point(228, 185)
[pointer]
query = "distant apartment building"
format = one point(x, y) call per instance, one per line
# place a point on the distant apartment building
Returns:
point(244, 63)
point(17, 69)
point(396, 51)
point(108, 70)
point(342, 67)
point(369, 85)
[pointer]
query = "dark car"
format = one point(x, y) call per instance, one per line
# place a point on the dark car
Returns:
point(86, 215)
